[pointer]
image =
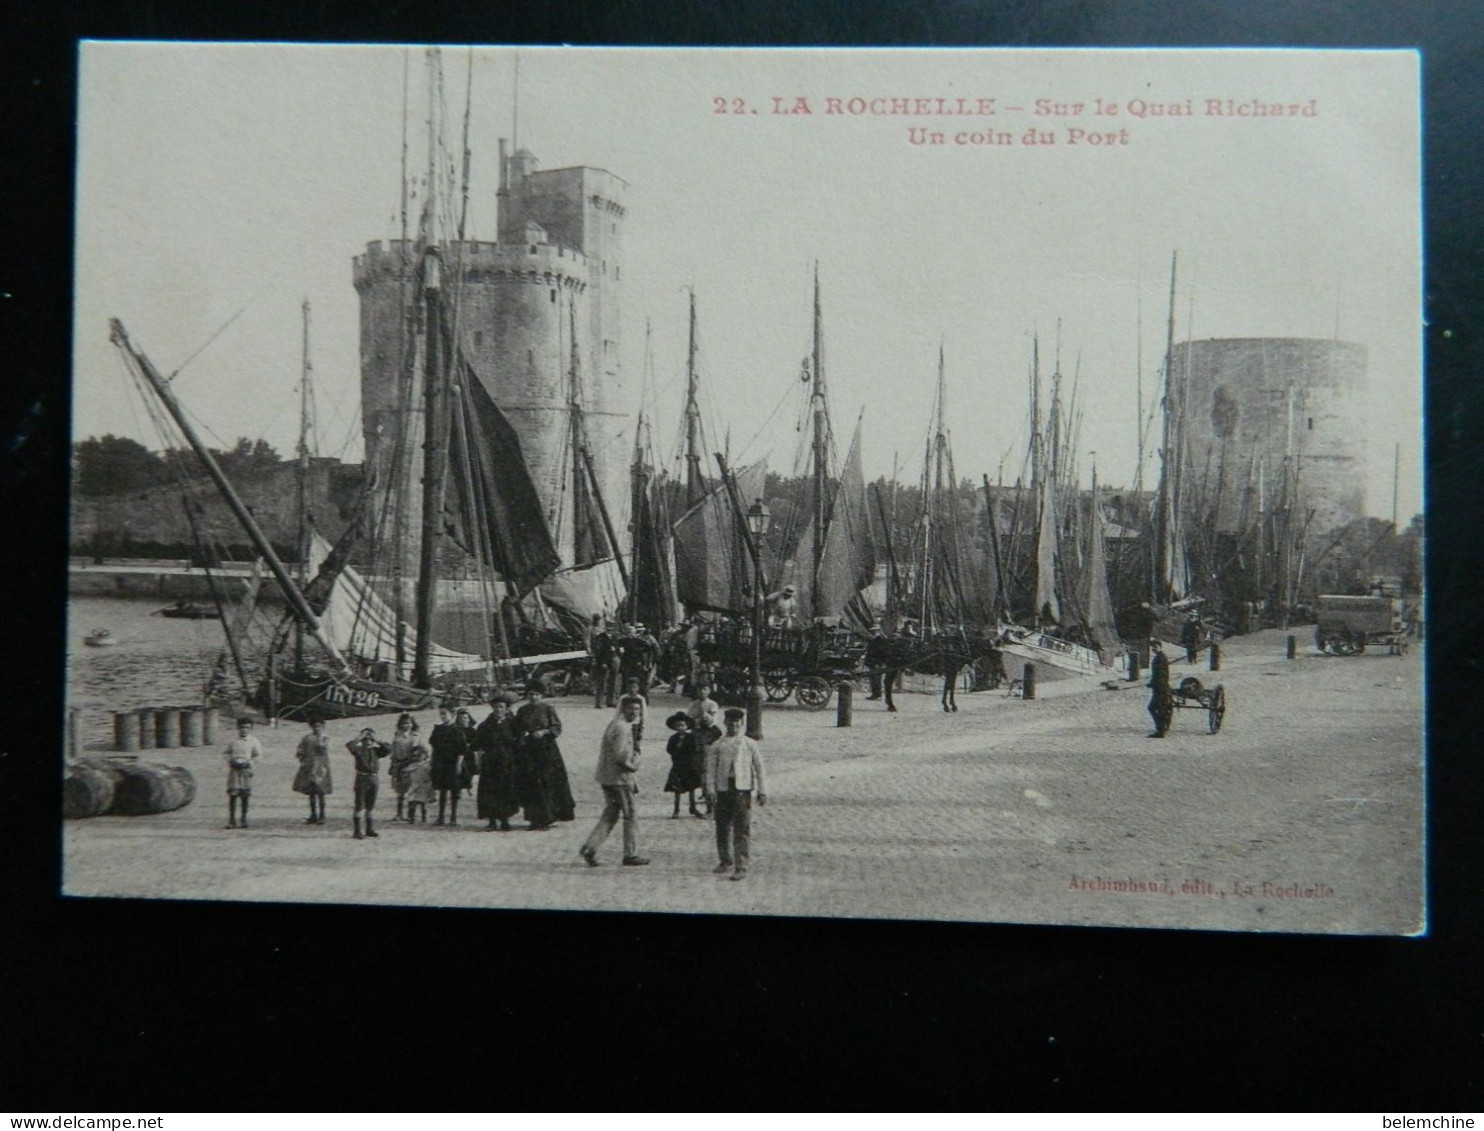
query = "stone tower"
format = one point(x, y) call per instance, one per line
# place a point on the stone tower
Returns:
point(556, 265)
point(1254, 403)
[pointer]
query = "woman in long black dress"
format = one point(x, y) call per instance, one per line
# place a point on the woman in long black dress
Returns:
point(450, 745)
point(545, 793)
point(498, 798)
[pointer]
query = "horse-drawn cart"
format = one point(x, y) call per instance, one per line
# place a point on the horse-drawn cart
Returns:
point(1348, 625)
point(798, 663)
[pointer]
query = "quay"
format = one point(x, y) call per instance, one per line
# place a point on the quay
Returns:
point(1010, 810)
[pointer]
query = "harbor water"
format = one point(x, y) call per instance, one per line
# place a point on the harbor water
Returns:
point(156, 660)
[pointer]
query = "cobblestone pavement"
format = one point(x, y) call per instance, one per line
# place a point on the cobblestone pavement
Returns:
point(1302, 814)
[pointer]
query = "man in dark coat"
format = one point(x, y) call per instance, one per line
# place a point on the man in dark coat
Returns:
point(1161, 699)
point(607, 666)
point(1190, 637)
point(878, 660)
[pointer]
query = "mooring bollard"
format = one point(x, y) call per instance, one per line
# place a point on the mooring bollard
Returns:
point(1133, 665)
point(1028, 682)
point(74, 734)
point(167, 727)
point(146, 728)
point(844, 705)
point(1215, 656)
point(208, 726)
point(190, 726)
point(126, 730)
point(1292, 647)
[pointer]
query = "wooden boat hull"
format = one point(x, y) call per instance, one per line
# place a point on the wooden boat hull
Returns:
point(1040, 648)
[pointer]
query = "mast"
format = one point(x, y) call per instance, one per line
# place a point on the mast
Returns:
point(821, 431)
point(1164, 563)
point(583, 467)
point(435, 466)
point(260, 542)
point(695, 480)
point(306, 409)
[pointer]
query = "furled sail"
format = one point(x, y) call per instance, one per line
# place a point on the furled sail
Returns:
point(1097, 605)
point(848, 561)
point(711, 566)
point(651, 581)
point(1046, 600)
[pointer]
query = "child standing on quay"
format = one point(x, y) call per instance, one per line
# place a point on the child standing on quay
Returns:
point(313, 778)
point(240, 754)
point(405, 743)
point(366, 750)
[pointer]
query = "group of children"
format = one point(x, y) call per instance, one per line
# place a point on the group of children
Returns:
point(443, 765)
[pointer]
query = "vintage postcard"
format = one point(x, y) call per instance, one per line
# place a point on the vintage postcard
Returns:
point(972, 485)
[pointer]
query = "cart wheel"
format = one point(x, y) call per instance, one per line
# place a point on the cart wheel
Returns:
point(813, 692)
point(1217, 710)
point(778, 684)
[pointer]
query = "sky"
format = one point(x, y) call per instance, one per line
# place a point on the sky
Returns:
point(220, 186)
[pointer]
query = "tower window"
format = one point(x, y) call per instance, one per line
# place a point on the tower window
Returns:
point(553, 294)
point(616, 270)
point(1311, 424)
point(478, 338)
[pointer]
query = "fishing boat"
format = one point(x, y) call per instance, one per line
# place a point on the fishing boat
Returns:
point(100, 638)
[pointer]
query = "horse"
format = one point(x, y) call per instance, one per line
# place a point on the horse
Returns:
point(947, 654)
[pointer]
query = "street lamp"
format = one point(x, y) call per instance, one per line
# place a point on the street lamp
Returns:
point(759, 520)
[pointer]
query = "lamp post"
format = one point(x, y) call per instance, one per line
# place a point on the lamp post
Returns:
point(759, 520)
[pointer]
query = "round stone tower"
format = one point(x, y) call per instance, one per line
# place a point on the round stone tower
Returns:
point(1259, 408)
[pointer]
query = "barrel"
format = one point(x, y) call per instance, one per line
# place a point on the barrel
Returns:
point(190, 726)
point(167, 727)
point(146, 728)
point(148, 787)
point(86, 792)
point(208, 726)
point(126, 730)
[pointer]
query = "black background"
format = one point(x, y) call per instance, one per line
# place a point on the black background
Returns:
point(119, 1006)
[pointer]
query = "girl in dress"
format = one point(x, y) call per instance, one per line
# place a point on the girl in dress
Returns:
point(419, 785)
point(313, 778)
point(683, 777)
point(405, 742)
point(470, 765)
point(450, 749)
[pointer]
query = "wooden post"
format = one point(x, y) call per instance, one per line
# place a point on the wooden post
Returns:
point(74, 733)
point(844, 705)
point(1215, 656)
point(1028, 682)
point(1133, 665)
point(273, 689)
point(1292, 646)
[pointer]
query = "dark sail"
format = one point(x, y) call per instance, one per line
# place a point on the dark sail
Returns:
point(501, 499)
point(651, 583)
point(710, 571)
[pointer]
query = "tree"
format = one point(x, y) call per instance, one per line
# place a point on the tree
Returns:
point(248, 457)
point(112, 465)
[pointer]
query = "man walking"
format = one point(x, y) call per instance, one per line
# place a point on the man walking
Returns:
point(734, 772)
point(617, 761)
point(878, 660)
point(1161, 700)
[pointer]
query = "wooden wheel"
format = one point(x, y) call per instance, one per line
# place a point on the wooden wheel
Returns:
point(813, 692)
point(1217, 710)
point(779, 684)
